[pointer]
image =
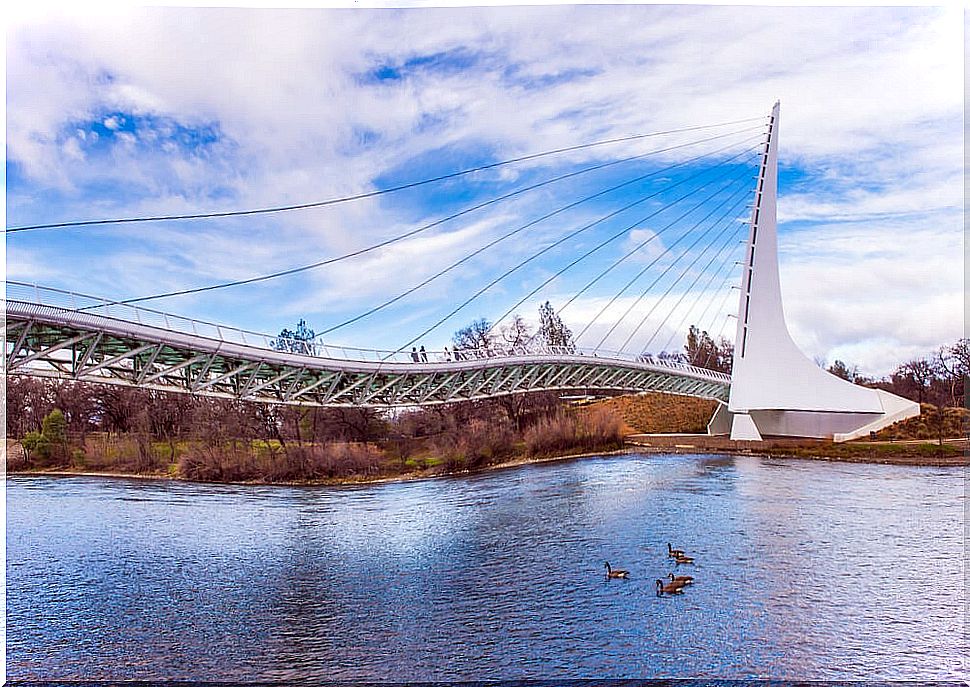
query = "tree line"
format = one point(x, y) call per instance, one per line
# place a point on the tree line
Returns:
point(142, 430)
point(938, 378)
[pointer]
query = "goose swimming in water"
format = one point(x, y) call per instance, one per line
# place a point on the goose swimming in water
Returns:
point(669, 588)
point(612, 574)
point(673, 553)
point(683, 559)
point(680, 579)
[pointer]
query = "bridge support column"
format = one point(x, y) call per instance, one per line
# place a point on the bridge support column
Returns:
point(744, 429)
point(775, 389)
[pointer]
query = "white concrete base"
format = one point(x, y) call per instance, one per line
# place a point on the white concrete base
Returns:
point(894, 410)
point(838, 426)
point(720, 422)
point(744, 429)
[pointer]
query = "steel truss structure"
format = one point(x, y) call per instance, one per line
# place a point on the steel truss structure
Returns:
point(76, 344)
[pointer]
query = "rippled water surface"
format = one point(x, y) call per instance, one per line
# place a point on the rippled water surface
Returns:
point(804, 569)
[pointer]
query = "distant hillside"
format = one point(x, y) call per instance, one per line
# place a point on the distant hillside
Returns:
point(653, 413)
point(956, 422)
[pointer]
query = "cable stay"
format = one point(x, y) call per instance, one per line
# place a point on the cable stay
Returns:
point(609, 269)
point(431, 225)
point(654, 261)
point(369, 194)
point(670, 288)
point(720, 334)
point(713, 275)
point(679, 301)
point(518, 230)
point(566, 238)
point(720, 289)
point(601, 245)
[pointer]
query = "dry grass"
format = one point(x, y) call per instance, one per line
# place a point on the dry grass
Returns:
point(239, 462)
point(586, 430)
point(956, 422)
point(655, 413)
point(479, 443)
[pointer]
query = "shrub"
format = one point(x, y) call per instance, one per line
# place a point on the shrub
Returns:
point(234, 462)
point(478, 443)
point(209, 463)
point(596, 429)
point(339, 459)
point(49, 446)
point(36, 446)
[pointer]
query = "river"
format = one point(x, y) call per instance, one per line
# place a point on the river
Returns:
point(804, 569)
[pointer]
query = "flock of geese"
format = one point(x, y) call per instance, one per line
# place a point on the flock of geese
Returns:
point(677, 582)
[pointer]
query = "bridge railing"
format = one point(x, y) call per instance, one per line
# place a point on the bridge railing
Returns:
point(73, 306)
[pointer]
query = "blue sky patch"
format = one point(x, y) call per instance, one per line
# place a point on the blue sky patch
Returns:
point(440, 64)
point(146, 131)
point(513, 77)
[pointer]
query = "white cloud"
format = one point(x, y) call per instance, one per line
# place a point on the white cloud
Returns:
point(873, 293)
point(646, 242)
point(872, 109)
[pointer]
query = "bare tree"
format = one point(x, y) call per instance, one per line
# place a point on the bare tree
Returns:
point(517, 333)
point(701, 350)
point(29, 400)
point(919, 374)
point(474, 337)
point(953, 364)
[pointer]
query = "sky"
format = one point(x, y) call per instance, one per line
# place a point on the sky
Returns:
point(126, 112)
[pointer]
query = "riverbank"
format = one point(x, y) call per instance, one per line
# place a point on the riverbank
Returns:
point(171, 475)
point(955, 453)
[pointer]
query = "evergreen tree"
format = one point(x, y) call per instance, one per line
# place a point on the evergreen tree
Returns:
point(300, 340)
point(552, 331)
point(702, 351)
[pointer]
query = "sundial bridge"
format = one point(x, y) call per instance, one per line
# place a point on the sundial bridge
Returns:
point(774, 389)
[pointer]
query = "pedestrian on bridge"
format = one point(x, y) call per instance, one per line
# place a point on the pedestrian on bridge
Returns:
point(414, 354)
point(424, 355)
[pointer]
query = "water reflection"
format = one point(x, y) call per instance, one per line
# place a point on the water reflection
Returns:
point(804, 569)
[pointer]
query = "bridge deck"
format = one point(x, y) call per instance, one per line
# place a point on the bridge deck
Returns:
point(78, 343)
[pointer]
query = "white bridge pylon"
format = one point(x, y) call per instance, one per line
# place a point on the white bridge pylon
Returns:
point(775, 388)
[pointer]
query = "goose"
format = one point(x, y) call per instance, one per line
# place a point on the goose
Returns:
point(683, 559)
point(673, 553)
point(669, 588)
point(680, 579)
point(612, 574)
